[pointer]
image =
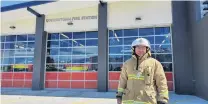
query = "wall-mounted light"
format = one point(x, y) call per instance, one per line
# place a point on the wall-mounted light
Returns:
point(70, 23)
point(12, 27)
point(138, 18)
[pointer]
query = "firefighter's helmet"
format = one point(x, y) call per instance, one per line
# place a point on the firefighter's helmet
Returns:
point(141, 41)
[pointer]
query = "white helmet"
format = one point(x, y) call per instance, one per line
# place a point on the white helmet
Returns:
point(141, 41)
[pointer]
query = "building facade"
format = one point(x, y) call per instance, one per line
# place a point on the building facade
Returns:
point(82, 45)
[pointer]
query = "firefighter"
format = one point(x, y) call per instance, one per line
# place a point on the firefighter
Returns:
point(142, 79)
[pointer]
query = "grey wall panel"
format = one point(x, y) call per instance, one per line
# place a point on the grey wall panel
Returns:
point(200, 57)
point(181, 49)
point(39, 55)
point(102, 48)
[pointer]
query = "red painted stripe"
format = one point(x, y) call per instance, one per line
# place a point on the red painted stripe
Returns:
point(28, 76)
point(169, 76)
point(51, 84)
point(6, 75)
point(114, 75)
point(64, 76)
point(90, 84)
point(77, 84)
point(113, 84)
point(28, 84)
point(6, 83)
point(51, 75)
point(18, 75)
point(170, 86)
point(18, 83)
point(77, 76)
point(63, 84)
point(91, 76)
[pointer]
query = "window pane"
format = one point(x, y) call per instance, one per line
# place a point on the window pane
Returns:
point(78, 67)
point(116, 50)
point(9, 45)
point(92, 42)
point(52, 59)
point(164, 57)
point(8, 60)
point(2, 53)
point(64, 59)
point(30, 68)
point(92, 67)
point(29, 60)
point(21, 45)
point(20, 67)
point(7, 68)
point(21, 52)
point(65, 51)
point(8, 53)
point(65, 67)
point(150, 38)
point(153, 55)
point(116, 33)
point(115, 67)
point(152, 48)
point(3, 38)
point(128, 41)
point(30, 52)
point(20, 60)
point(163, 48)
point(53, 44)
point(93, 34)
point(116, 58)
point(110, 33)
point(31, 37)
point(127, 50)
point(21, 37)
point(162, 30)
point(79, 35)
point(53, 36)
point(65, 43)
point(167, 66)
point(115, 41)
point(66, 35)
point(53, 51)
point(126, 57)
point(2, 45)
point(52, 67)
point(92, 59)
point(146, 31)
point(78, 59)
point(78, 43)
point(11, 38)
point(31, 45)
point(91, 50)
point(78, 51)
point(131, 32)
point(163, 39)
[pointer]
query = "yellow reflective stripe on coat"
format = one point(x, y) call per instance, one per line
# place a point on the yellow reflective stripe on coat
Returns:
point(133, 76)
point(120, 89)
point(134, 102)
point(164, 93)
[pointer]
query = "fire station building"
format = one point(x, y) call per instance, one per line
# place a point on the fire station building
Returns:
point(83, 44)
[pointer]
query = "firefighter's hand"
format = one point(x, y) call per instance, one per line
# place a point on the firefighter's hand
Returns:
point(161, 102)
point(119, 100)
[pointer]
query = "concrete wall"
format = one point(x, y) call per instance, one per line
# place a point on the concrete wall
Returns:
point(199, 32)
point(190, 48)
point(200, 57)
point(181, 37)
